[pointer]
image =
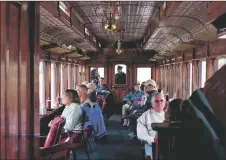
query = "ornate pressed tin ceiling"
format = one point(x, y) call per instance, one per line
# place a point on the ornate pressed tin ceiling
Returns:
point(134, 21)
point(185, 28)
point(52, 30)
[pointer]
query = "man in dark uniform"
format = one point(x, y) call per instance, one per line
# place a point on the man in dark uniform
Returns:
point(120, 77)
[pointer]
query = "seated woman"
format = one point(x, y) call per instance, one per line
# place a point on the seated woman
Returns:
point(129, 99)
point(72, 112)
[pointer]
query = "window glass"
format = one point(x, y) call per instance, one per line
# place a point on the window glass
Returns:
point(221, 62)
point(42, 83)
point(203, 73)
point(86, 31)
point(64, 8)
point(100, 71)
point(143, 74)
point(189, 80)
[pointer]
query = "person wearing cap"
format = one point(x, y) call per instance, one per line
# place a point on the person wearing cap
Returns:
point(150, 88)
point(120, 77)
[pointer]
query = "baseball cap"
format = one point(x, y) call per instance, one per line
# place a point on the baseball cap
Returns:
point(151, 82)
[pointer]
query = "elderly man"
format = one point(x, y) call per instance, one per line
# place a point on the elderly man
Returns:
point(93, 114)
point(86, 105)
point(154, 115)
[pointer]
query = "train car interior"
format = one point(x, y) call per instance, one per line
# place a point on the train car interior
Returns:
point(113, 80)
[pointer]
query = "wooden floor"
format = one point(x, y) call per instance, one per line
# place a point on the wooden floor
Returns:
point(117, 146)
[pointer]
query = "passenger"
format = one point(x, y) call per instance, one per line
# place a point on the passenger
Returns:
point(95, 82)
point(93, 74)
point(72, 112)
point(92, 91)
point(86, 104)
point(154, 115)
point(142, 86)
point(129, 99)
point(85, 82)
point(150, 89)
point(102, 87)
point(95, 114)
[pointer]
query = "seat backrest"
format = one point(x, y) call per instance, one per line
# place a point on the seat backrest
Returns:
point(58, 151)
point(55, 131)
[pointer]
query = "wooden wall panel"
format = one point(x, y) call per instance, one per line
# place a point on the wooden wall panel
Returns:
point(19, 55)
point(201, 52)
point(214, 10)
point(188, 55)
point(217, 48)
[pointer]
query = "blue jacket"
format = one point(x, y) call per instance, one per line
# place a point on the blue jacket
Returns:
point(132, 96)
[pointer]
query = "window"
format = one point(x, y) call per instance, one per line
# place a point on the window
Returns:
point(53, 85)
point(100, 71)
point(188, 79)
point(94, 39)
point(61, 80)
point(143, 74)
point(42, 83)
point(221, 62)
point(203, 73)
point(99, 45)
point(64, 8)
point(86, 31)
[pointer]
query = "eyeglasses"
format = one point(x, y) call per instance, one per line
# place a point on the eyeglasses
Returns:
point(161, 100)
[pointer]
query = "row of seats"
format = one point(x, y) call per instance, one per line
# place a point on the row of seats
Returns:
point(58, 146)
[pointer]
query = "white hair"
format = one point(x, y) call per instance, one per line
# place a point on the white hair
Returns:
point(156, 94)
point(82, 88)
point(85, 82)
point(91, 86)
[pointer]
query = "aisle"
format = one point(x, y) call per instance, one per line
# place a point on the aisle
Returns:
point(117, 146)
